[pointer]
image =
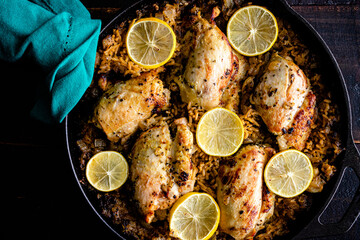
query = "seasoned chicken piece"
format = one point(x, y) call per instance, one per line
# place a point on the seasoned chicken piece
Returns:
point(230, 98)
point(209, 66)
point(280, 93)
point(285, 102)
point(126, 104)
point(299, 131)
point(162, 169)
point(267, 208)
point(154, 188)
point(182, 148)
point(245, 202)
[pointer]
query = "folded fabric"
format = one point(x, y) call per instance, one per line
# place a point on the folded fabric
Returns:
point(61, 38)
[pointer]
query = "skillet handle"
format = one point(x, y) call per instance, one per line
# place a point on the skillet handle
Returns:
point(315, 228)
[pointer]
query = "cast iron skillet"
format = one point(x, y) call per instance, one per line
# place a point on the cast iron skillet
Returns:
point(309, 224)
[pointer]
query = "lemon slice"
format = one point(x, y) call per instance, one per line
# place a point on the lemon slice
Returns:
point(252, 30)
point(107, 171)
point(288, 173)
point(194, 216)
point(150, 42)
point(220, 132)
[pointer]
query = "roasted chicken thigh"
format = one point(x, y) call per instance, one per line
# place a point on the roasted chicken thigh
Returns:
point(209, 66)
point(285, 102)
point(244, 200)
point(126, 104)
point(161, 168)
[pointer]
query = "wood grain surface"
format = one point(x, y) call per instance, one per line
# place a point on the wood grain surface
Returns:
point(42, 199)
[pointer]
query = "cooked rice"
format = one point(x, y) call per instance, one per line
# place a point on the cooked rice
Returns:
point(114, 64)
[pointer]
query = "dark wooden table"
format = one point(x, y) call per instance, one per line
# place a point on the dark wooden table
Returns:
point(42, 199)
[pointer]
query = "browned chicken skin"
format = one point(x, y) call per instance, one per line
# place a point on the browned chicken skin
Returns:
point(181, 152)
point(230, 98)
point(162, 169)
point(245, 203)
point(299, 130)
point(285, 102)
point(209, 66)
point(126, 104)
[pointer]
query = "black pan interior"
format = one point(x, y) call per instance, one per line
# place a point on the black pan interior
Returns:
point(330, 72)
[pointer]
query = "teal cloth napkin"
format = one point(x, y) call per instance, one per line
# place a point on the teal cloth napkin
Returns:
point(59, 36)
